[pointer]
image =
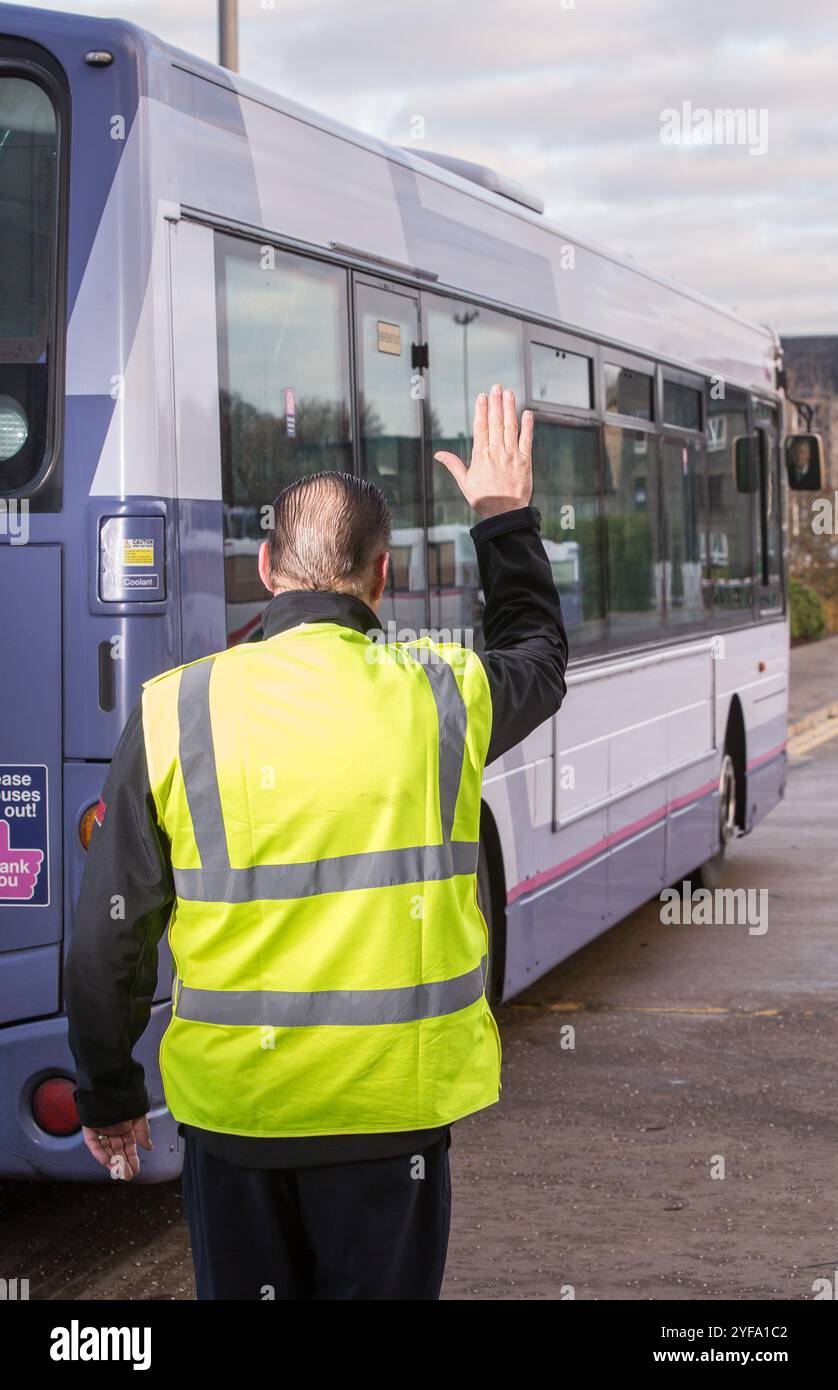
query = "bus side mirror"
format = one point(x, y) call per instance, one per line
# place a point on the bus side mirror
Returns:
point(805, 462)
point(746, 463)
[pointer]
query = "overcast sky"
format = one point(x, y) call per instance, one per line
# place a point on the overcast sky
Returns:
point(566, 96)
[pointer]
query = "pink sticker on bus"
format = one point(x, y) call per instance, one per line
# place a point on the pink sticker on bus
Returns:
point(19, 869)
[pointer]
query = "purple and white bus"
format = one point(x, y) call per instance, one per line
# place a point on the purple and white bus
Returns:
point(207, 291)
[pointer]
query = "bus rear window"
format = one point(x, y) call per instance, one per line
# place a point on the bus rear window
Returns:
point(28, 230)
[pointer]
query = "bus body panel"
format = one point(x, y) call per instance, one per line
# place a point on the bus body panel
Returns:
point(30, 777)
point(31, 1052)
point(629, 833)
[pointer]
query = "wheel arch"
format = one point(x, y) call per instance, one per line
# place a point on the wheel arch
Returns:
point(490, 843)
point(736, 745)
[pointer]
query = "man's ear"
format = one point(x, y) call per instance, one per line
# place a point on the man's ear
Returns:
point(265, 567)
point(380, 567)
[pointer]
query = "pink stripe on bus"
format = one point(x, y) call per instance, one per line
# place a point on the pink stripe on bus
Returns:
point(766, 757)
point(529, 885)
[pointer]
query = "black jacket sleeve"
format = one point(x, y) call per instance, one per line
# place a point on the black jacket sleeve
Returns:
point(524, 636)
point(123, 910)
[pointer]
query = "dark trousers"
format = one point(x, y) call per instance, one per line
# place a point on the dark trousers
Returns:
point(375, 1229)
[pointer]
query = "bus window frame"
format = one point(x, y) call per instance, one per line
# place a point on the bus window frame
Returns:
point(368, 279)
point(770, 432)
point(580, 420)
point(695, 382)
point(633, 362)
point(22, 58)
point(567, 342)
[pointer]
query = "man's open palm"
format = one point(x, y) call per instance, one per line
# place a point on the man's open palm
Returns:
point(500, 476)
point(115, 1146)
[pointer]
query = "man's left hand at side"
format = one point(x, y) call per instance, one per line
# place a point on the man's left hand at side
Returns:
point(115, 1146)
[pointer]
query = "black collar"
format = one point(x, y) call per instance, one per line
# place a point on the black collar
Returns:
point(296, 606)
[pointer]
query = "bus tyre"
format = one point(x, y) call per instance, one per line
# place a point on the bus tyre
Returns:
point(727, 802)
point(711, 871)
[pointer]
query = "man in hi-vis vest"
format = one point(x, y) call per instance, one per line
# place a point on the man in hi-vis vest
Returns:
point(303, 813)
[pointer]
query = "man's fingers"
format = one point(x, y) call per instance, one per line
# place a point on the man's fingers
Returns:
point(115, 1147)
point(142, 1133)
point(125, 1149)
point(496, 418)
point(455, 466)
point(100, 1152)
point(510, 422)
point(481, 422)
point(525, 441)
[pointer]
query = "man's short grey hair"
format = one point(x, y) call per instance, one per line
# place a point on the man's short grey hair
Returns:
point(328, 530)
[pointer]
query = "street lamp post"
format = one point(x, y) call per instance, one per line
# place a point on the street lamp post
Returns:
point(228, 34)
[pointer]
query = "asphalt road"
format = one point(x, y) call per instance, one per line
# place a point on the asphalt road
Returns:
point(595, 1174)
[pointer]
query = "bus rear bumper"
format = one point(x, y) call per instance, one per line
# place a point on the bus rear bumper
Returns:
point(32, 1052)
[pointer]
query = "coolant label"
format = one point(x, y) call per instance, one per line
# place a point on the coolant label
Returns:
point(24, 843)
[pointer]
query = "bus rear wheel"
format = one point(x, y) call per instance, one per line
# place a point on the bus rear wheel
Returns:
point(727, 802)
point(712, 869)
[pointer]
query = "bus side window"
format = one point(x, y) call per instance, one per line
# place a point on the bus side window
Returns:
point(683, 530)
point(565, 476)
point(469, 349)
point(635, 606)
point(769, 566)
point(284, 397)
point(730, 577)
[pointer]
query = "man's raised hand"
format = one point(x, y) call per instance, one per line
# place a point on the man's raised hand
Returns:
point(500, 476)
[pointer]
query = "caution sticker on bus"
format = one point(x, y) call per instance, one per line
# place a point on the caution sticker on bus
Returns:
point(137, 551)
point(24, 838)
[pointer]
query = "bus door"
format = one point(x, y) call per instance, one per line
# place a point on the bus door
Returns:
point(390, 396)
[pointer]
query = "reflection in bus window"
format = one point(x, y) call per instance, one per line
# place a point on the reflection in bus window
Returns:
point(682, 487)
point(560, 377)
point(730, 513)
point(28, 223)
point(635, 600)
point(681, 406)
point(284, 396)
point(628, 392)
point(469, 349)
point(565, 474)
point(769, 535)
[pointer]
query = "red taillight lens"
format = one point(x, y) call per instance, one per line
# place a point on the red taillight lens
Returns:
point(54, 1106)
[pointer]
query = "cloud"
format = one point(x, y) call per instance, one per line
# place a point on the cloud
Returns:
point(567, 98)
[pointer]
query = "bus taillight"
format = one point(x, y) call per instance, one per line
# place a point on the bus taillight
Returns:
point(86, 823)
point(54, 1106)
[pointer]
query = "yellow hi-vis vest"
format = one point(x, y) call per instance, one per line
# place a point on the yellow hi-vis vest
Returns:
point(321, 793)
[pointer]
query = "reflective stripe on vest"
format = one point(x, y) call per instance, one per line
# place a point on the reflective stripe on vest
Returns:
point(268, 1008)
point(216, 881)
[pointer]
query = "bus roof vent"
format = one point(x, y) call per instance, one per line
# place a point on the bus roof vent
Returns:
point(484, 176)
